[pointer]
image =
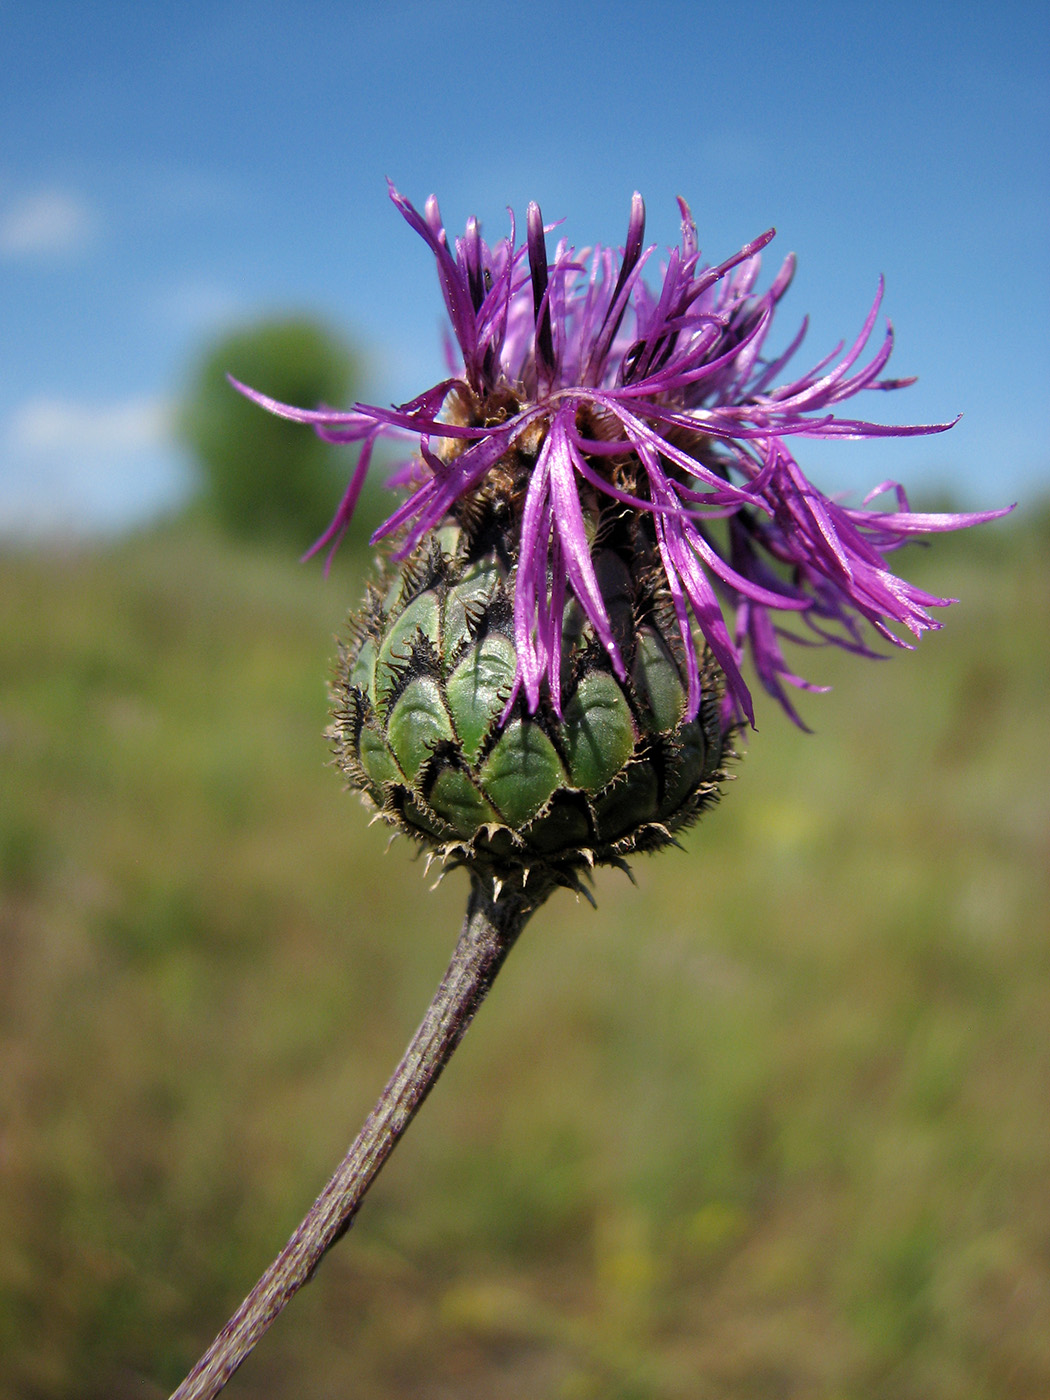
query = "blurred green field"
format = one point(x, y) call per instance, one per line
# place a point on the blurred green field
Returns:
point(776, 1123)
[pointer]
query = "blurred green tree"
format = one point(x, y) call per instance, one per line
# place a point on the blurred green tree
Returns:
point(263, 477)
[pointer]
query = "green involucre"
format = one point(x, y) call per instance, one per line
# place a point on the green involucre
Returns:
point(422, 689)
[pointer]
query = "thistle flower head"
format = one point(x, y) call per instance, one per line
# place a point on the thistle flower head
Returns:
point(583, 384)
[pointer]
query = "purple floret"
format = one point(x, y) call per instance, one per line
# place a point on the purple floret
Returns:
point(597, 367)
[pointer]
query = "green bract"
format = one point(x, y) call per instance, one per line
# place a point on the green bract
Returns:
point(423, 684)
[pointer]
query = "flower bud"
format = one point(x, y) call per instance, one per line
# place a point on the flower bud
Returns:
point(430, 725)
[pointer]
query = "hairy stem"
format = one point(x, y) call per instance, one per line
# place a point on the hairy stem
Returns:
point(492, 924)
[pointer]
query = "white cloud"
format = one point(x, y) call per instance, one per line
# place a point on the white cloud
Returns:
point(69, 466)
point(60, 425)
point(48, 222)
point(197, 304)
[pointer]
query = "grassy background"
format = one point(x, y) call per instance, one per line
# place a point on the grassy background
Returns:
point(774, 1124)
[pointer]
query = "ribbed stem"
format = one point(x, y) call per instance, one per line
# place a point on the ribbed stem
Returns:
point(491, 926)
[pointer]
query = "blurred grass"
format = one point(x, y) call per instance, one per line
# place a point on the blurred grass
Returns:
point(774, 1124)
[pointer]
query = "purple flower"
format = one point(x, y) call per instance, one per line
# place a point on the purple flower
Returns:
point(580, 385)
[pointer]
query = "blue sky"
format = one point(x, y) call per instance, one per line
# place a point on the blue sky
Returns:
point(167, 170)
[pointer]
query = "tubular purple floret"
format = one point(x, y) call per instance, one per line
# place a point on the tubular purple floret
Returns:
point(540, 294)
point(680, 379)
point(630, 267)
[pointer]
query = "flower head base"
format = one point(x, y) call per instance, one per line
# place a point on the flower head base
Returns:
point(580, 391)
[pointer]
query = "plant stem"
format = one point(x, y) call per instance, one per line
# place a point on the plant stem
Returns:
point(492, 924)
